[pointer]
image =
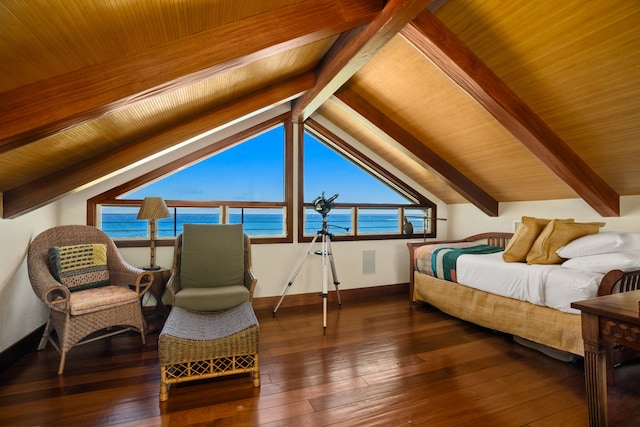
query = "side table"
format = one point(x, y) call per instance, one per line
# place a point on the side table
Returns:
point(609, 318)
point(161, 311)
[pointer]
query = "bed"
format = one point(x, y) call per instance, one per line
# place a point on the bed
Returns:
point(555, 326)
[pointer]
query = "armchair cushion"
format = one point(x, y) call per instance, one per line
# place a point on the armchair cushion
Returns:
point(80, 267)
point(205, 265)
point(212, 299)
point(96, 299)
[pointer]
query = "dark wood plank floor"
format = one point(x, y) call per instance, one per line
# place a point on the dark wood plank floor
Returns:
point(381, 362)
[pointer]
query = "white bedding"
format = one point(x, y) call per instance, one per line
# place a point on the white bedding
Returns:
point(564, 286)
point(546, 285)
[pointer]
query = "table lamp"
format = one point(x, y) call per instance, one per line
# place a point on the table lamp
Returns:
point(153, 208)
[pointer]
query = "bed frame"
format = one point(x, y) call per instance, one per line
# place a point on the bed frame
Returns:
point(543, 325)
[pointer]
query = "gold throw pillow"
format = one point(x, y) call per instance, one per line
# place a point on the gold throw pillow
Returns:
point(522, 240)
point(555, 235)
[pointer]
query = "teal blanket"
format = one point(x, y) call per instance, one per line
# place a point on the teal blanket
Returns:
point(444, 260)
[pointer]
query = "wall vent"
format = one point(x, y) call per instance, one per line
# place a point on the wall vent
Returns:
point(369, 261)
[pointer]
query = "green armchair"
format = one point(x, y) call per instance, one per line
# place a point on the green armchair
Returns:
point(211, 268)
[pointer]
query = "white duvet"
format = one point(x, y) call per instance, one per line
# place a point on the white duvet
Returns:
point(547, 285)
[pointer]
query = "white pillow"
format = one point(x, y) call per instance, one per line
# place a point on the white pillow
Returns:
point(601, 243)
point(603, 263)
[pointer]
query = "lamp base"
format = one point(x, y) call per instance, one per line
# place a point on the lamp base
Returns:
point(151, 267)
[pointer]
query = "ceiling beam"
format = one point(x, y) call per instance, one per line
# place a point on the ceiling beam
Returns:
point(447, 173)
point(442, 47)
point(352, 51)
point(49, 188)
point(43, 108)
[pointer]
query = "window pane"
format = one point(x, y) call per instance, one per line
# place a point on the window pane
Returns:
point(419, 219)
point(189, 216)
point(259, 221)
point(378, 221)
point(120, 222)
point(167, 227)
point(250, 171)
point(326, 170)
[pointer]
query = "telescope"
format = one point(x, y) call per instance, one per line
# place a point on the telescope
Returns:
point(322, 205)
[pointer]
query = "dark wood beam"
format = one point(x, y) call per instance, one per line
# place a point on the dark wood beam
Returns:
point(447, 173)
point(354, 49)
point(40, 109)
point(431, 37)
point(47, 189)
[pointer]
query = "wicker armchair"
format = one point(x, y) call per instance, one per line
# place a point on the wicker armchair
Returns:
point(216, 288)
point(77, 314)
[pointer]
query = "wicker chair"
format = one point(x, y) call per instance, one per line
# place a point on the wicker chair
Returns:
point(75, 315)
point(214, 249)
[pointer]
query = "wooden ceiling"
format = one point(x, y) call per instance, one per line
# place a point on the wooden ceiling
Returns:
point(479, 101)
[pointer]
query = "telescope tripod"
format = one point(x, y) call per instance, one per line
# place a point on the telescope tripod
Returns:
point(327, 256)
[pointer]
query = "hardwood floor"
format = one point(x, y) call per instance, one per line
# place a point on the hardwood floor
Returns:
point(381, 362)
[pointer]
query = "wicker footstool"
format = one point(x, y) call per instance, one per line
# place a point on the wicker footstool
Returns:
point(195, 346)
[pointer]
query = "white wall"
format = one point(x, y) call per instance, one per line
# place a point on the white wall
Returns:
point(21, 312)
point(466, 219)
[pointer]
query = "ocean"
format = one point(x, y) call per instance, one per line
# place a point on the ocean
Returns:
point(125, 225)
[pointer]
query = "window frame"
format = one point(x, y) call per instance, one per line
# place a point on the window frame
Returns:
point(110, 197)
point(336, 143)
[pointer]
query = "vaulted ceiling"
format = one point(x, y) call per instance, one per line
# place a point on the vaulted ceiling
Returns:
point(479, 101)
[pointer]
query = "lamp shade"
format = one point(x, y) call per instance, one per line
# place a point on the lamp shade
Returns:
point(153, 208)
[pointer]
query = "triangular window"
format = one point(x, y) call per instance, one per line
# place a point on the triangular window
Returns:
point(364, 200)
point(243, 182)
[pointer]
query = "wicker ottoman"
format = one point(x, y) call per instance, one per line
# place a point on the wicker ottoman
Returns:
point(195, 346)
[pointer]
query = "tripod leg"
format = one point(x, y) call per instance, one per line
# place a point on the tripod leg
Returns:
point(336, 282)
point(295, 273)
point(325, 286)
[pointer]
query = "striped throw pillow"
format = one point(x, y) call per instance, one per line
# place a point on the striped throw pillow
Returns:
point(80, 266)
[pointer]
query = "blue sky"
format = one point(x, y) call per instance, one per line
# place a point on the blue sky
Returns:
point(254, 170)
point(326, 170)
